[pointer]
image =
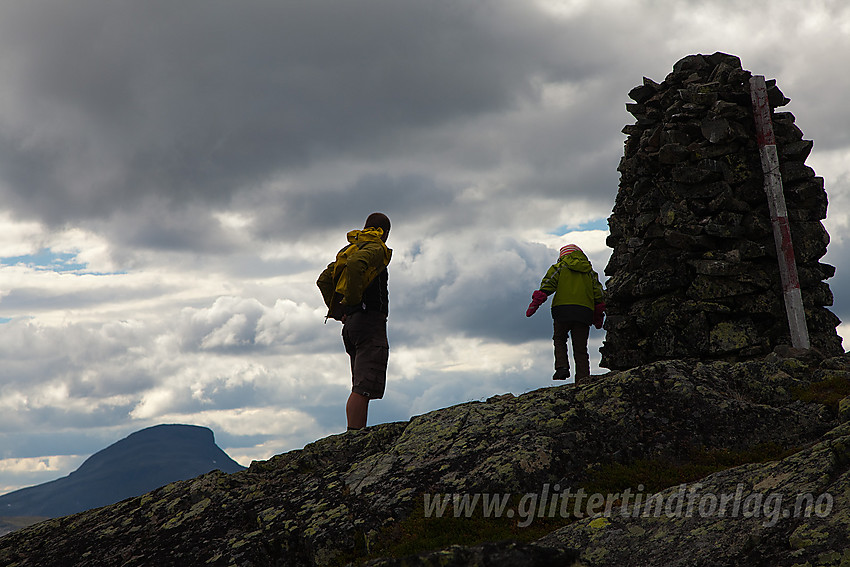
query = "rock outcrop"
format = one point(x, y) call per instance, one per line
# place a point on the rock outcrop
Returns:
point(366, 495)
point(694, 272)
point(791, 512)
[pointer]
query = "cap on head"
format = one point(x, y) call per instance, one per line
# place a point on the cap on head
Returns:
point(568, 249)
point(379, 220)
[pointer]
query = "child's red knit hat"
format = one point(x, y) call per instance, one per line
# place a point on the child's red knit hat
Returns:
point(569, 248)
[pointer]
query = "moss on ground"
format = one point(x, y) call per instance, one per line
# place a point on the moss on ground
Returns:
point(657, 474)
point(421, 533)
point(828, 392)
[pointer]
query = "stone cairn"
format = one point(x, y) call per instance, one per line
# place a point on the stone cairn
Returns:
point(694, 270)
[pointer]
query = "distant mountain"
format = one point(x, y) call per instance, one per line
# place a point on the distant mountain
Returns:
point(139, 463)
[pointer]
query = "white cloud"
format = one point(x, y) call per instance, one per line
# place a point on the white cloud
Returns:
point(51, 463)
point(18, 238)
point(844, 333)
point(43, 468)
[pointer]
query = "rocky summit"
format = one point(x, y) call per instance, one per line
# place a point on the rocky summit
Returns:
point(562, 475)
point(694, 269)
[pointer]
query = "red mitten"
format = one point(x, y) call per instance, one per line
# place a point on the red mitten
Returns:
point(537, 299)
point(598, 315)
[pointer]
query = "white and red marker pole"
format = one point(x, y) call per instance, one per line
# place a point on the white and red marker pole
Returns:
point(779, 215)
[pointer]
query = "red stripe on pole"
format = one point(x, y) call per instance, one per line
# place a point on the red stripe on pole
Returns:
point(791, 280)
point(764, 126)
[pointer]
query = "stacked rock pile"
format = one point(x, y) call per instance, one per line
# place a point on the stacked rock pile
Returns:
point(694, 271)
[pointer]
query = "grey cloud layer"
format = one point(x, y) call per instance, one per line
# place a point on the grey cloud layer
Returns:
point(112, 101)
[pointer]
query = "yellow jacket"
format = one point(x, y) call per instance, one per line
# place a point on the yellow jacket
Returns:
point(345, 279)
point(573, 282)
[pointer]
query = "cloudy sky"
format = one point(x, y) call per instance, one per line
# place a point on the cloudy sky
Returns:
point(174, 176)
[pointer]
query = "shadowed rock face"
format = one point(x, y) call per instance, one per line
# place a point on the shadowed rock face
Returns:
point(341, 497)
point(790, 512)
point(694, 273)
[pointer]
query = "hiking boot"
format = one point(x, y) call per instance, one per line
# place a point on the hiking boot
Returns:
point(561, 374)
point(581, 380)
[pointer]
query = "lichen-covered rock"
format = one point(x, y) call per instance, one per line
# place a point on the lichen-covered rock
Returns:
point(693, 273)
point(342, 497)
point(487, 555)
point(791, 512)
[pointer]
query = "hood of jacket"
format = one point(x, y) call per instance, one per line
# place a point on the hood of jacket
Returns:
point(370, 235)
point(576, 261)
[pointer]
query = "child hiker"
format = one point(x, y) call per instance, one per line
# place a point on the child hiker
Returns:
point(577, 304)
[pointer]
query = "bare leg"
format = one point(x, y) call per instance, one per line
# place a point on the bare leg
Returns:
point(356, 410)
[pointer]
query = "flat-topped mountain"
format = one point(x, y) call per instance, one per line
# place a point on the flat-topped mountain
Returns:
point(137, 464)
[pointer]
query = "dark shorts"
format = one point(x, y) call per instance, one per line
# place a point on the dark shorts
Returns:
point(365, 338)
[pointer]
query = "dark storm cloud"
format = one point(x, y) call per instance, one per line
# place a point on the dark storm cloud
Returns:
point(307, 209)
point(112, 101)
point(161, 226)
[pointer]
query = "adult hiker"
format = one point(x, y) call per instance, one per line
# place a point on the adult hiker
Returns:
point(577, 304)
point(354, 287)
